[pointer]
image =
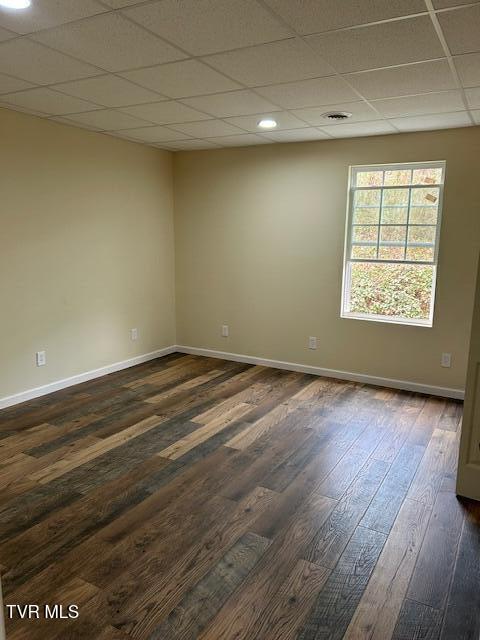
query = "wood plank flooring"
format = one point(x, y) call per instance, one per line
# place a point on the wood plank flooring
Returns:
point(193, 498)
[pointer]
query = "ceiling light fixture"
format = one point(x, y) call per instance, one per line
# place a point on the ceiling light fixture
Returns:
point(267, 123)
point(337, 115)
point(15, 4)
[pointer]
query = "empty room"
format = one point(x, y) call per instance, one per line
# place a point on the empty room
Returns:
point(240, 320)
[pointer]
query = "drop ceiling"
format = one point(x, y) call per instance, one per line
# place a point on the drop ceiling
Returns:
point(200, 74)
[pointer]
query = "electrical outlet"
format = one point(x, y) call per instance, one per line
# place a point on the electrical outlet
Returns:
point(225, 331)
point(41, 358)
point(134, 334)
point(312, 342)
point(446, 360)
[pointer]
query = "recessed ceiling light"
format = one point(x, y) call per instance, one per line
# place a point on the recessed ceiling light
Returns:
point(267, 123)
point(337, 115)
point(15, 4)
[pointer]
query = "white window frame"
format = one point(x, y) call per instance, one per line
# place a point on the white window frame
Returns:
point(347, 260)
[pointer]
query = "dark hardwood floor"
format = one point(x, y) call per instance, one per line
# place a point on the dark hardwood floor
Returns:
point(196, 498)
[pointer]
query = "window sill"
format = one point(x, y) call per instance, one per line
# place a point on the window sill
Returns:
point(385, 319)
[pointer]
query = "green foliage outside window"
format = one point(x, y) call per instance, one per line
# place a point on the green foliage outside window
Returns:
point(401, 290)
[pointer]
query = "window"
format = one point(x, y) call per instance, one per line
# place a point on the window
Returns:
point(391, 246)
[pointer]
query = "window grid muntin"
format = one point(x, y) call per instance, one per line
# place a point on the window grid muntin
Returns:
point(382, 188)
point(380, 217)
point(408, 219)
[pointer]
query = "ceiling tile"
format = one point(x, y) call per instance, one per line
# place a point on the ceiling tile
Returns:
point(182, 79)
point(30, 61)
point(468, 68)
point(6, 35)
point(192, 144)
point(155, 134)
point(43, 14)
point(108, 120)
point(437, 121)
point(207, 129)
point(297, 135)
point(354, 129)
point(47, 101)
point(476, 116)
point(420, 104)
point(9, 84)
point(76, 125)
point(110, 42)
point(379, 45)
point(212, 25)
point(284, 120)
point(242, 140)
point(309, 93)
point(443, 4)
point(123, 134)
point(119, 4)
point(270, 63)
point(359, 110)
point(314, 16)
point(166, 112)
point(461, 28)
point(409, 79)
point(108, 91)
point(473, 97)
point(236, 103)
point(11, 107)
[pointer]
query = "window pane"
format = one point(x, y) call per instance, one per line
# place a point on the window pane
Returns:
point(427, 176)
point(420, 254)
point(362, 234)
point(394, 215)
point(397, 177)
point(395, 197)
point(392, 290)
point(367, 198)
point(393, 234)
point(424, 197)
point(390, 272)
point(369, 179)
point(423, 215)
point(391, 253)
point(421, 235)
point(366, 215)
point(363, 252)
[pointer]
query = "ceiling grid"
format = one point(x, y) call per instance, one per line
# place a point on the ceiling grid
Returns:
point(193, 74)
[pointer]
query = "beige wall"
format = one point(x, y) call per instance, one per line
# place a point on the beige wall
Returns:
point(259, 246)
point(86, 250)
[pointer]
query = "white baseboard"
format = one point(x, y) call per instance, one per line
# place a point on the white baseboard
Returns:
point(29, 394)
point(406, 385)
